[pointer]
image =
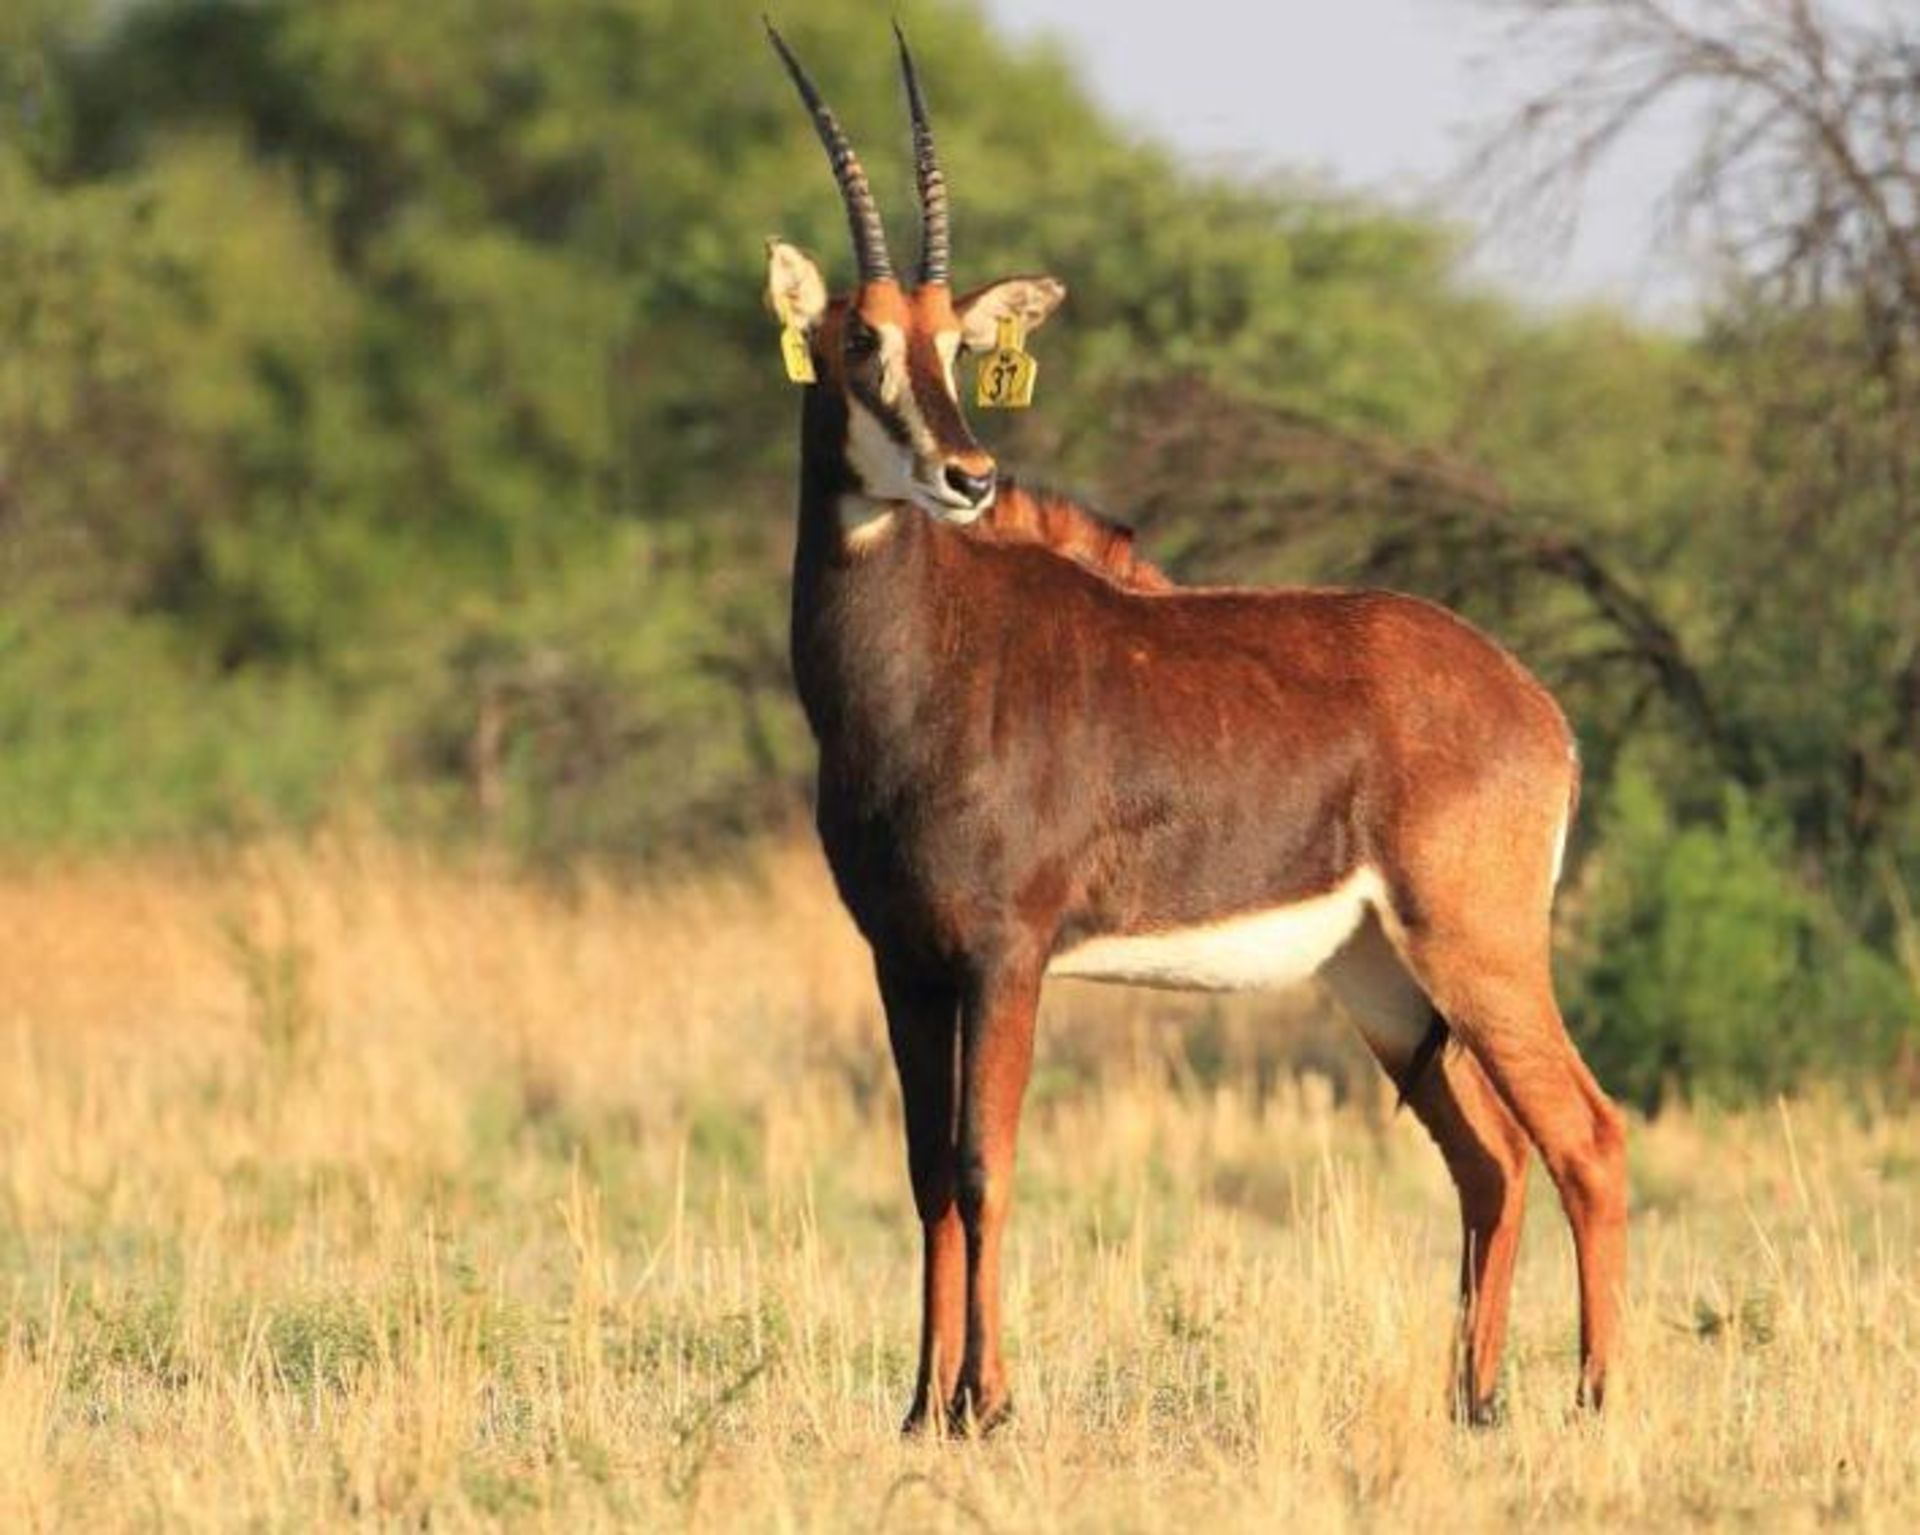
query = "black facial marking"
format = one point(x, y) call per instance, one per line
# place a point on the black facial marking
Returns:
point(938, 408)
point(862, 339)
point(864, 389)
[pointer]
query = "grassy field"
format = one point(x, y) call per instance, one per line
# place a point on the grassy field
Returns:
point(340, 1185)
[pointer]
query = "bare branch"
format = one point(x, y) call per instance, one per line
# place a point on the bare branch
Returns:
point(1807, 167)
point(1275, 476)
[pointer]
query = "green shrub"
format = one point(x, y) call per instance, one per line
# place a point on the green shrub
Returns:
point(1709, 970)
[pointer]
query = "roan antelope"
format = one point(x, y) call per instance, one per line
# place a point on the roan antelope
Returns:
point(1039, 758)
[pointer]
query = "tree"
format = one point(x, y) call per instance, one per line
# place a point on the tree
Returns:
point(1805, 178)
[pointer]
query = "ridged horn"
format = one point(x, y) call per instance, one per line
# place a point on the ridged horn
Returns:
point(863, 214)
point(936, 227)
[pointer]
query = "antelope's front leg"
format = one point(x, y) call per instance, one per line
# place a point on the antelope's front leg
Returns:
point(922, 1014)
point(996, 1058)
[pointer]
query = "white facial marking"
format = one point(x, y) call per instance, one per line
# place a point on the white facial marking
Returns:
point(1559, 856)
point(884, 466)
point(888, 470)
point(947, 344)
point(864, 523)
point(1263, 949)
point(893, 362)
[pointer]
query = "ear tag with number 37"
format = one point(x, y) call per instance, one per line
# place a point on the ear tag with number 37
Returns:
point(794, 350)
point(1007, 372)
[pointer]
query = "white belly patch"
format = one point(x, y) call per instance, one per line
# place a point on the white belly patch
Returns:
point(1258, 950)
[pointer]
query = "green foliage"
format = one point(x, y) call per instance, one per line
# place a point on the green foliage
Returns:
point(388, 412)
point(1710, 968)
point(110, 734)
point(389, 423)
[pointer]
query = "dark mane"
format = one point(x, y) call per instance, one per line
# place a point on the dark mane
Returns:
point(1033, 515)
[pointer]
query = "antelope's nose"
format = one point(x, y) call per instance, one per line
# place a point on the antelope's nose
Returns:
point(974, 487)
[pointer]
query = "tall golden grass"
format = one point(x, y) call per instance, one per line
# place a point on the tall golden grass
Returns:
point(346, 1185)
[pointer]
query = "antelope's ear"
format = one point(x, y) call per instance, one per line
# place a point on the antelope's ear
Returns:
point(795, 289)
point(1026, 299)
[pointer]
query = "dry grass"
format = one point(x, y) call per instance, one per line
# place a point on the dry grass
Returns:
point(339, 1185)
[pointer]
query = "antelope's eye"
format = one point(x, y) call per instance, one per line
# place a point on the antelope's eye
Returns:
point(862, 339)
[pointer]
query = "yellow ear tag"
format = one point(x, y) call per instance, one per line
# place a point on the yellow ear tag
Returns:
point(794, 351)
point(1007, 372)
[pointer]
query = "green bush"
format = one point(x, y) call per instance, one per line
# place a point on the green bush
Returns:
point(1709, 970)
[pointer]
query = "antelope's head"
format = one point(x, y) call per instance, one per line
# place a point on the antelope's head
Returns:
point(887, 351)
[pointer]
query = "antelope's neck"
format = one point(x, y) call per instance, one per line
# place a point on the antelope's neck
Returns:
point(864, 615)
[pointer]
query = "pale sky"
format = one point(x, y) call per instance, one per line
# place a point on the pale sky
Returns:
point(1380, 96)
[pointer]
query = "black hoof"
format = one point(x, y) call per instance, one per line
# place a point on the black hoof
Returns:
point(925, 1417)
point(969, 1417)
point(1490, 1411)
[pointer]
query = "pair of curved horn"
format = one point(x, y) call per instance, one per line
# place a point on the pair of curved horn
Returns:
point(863, 213)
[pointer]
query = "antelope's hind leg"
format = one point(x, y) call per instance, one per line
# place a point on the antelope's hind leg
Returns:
point(922, 1026)
point(1483, 1145)
point(1496, 990)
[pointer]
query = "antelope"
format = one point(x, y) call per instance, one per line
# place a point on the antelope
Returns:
point(1037, 757)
